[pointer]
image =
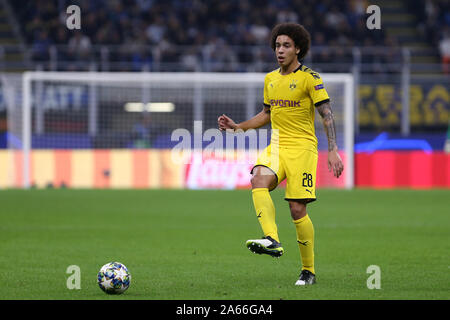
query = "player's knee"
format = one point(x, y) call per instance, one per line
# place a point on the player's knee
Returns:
point(298, 209)
point(259, 181)
point(263, 181)
point(263, 178)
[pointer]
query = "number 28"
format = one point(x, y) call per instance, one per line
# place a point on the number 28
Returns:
point(307, 180)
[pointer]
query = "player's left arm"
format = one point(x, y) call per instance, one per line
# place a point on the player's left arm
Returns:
point(334, 159)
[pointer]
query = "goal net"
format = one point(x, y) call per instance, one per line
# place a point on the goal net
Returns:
point(153, 130)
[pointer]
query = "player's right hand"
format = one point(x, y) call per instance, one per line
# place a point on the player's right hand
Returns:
point(226, 123)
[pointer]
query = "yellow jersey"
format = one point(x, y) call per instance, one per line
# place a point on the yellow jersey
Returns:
point(292, 99)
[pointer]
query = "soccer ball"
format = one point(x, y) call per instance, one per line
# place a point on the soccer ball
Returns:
point(114, 278)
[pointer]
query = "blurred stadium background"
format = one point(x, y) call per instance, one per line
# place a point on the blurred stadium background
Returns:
point(81, 135)
point(81, 109)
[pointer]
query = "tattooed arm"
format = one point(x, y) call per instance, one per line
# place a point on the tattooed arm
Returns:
point(334, 160)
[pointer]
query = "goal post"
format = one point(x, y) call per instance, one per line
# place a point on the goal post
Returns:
point(93, 112)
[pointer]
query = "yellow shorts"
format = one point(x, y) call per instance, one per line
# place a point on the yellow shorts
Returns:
point(297, 166)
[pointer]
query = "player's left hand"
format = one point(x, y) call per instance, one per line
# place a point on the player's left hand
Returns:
point(335, 163)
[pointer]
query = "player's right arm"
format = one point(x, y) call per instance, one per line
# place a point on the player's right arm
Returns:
point(259, 120)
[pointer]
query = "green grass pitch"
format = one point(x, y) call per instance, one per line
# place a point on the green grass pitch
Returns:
point(181, 244)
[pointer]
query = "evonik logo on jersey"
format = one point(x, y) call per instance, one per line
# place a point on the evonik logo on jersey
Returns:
point(284, 103)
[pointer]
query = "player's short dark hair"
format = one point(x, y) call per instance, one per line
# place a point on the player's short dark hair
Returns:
point(296, 32)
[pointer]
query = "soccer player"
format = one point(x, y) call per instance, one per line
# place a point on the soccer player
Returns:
point(291, 94)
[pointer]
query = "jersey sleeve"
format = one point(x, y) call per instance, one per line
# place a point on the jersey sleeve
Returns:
point(316, 89)
point(266, 101)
